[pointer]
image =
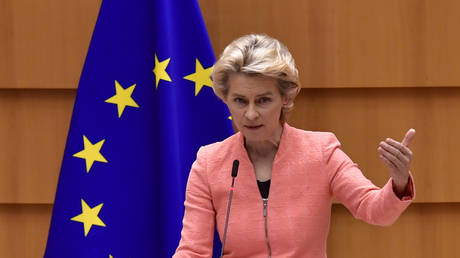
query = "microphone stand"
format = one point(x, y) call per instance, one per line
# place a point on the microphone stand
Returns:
point(234, 173)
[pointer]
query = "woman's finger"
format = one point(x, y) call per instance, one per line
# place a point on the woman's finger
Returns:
point(408, 137)
point(395, 152)
point(390, 157)
point(403, 149)
point(388, 163)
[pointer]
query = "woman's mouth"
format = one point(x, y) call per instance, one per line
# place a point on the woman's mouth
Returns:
point(253, 127)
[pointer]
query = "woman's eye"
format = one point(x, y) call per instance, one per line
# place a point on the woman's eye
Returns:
point(264, 100)
point(239, 100)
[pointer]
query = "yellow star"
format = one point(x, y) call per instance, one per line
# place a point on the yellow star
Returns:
point(201, 77)
point(122, 98)
point(91, 153)
point(160, 71)
point(89, 216)
point(110, 256)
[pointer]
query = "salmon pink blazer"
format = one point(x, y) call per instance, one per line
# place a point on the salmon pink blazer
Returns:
point(308, 171)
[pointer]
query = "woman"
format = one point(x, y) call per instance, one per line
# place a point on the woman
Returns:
point(287, 177)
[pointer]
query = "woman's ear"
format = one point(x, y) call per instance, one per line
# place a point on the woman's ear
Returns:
point(285, 101)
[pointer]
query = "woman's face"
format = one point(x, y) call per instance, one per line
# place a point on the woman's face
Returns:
point(255, 104)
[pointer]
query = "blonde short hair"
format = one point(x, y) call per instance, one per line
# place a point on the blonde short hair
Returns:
point(259, 55)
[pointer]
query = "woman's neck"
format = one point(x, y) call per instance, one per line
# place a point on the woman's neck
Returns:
point(263, 148)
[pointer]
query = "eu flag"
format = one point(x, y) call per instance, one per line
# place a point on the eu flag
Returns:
point(143, 108)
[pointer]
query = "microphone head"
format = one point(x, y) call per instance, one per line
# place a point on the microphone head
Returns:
point(236, 164)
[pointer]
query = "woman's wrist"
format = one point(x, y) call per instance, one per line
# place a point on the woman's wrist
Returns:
point(400, 186)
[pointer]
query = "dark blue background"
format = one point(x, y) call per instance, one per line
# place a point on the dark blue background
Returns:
point(149, 149)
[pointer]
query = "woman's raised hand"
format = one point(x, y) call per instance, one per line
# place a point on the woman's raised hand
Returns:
point(397, 157)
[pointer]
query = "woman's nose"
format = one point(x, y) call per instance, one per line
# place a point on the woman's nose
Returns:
point(251, 113)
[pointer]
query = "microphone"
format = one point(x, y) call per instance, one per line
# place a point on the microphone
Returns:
point(236, 164)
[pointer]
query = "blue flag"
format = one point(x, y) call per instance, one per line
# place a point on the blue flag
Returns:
point(144, 106)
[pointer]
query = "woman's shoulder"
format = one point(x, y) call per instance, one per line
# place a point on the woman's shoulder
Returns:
point(314, 139)
point(220, 148)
